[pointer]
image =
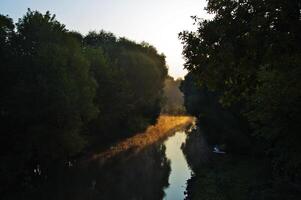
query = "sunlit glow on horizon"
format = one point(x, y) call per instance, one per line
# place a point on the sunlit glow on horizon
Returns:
point(157, 22)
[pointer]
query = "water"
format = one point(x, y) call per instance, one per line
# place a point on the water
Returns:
point(180, 171)
point(157, 171)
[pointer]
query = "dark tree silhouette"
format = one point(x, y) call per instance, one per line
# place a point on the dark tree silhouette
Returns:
point(249, 56)
point(62, 92)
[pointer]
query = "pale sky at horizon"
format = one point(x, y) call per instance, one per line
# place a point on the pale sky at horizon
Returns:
point(157, 22)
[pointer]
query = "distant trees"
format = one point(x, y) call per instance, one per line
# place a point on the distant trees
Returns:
point(60, 91)
point(174, 100)
point(249, 55)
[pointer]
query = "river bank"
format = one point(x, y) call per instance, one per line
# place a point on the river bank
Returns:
point(231, 176)
point(165, 127)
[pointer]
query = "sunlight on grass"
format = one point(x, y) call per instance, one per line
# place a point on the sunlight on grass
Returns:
point(165, 127)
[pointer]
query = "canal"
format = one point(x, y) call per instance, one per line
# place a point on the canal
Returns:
point(156, 171)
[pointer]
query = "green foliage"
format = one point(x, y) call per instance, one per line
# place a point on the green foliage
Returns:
point(130, 83)
point(62, 92)
point(250, 54)
point(46, 98)
point(220, 125)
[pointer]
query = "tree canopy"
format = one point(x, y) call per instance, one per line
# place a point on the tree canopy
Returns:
point(249, 54)
point(62, 92)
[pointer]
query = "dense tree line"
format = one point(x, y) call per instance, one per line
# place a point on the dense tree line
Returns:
point(245, 64)
point(62, 92)
point(130, 80)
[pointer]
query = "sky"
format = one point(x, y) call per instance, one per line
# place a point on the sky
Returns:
point(157, 22)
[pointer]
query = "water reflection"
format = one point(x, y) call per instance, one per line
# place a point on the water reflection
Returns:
point(126, 176)
point(155, 172)
point(180, 172)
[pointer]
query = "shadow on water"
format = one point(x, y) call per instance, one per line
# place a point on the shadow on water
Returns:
point(158, 171)
point(126, 176)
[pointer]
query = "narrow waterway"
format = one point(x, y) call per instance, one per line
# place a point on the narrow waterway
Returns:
point(154, 171)
point(180, 171)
